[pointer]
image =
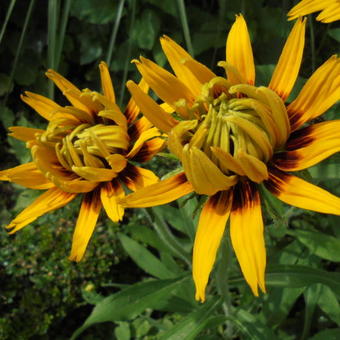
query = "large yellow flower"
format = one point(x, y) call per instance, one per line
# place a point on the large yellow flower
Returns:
point(330, 10)
point(230, 136)
point(85, 149)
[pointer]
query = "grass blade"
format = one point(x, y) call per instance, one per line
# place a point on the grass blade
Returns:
point(8, 15)
point(185, 26)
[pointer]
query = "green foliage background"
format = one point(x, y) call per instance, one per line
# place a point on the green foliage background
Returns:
point(145, 261)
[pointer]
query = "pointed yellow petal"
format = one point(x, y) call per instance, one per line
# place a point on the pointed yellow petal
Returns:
point(138, 127)
point(167, 87)
point(246, 231)
point(117, 162)
point(319, 93)
point(310, 146)
point(228, 161)
point(24, 134)
point(299, 193)
point(203, 174)
point(136, 177)
point(177, 58)
point(106, 82)
point(144, 136)
point(50, 200)
point(152, 111)
point(330, 14)
point(42, 105)
point(109, 194)
point(149, 150)
point(26, 175)
point(86, 222)
point(288, 66)
point(95, 174)
point(212, 223)
point(160, 193)
point(239, 52)
point(253, 168)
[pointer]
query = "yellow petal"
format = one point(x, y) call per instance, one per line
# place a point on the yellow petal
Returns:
point(24, 134)
point(86, 222)
point(50, 200)
point(299, 193)
point(26, 175)
point(42, 105)
point(239, 52)
point(132, 109)
point(136, 177)
point(246, 231)
point(160, 193)
point(138, 127)
point(330, 13)
point(288, 66)
point(203, 174)
point(253, 168)
point(110, 192)
point(117, 162)
point(149, 150)
point(167, 87)
point(152, 111)
point(144, 136)
point(212, 223)
point(106, 82)
point(310, 146)
point(95, 174)
point(319, 93)
point(177, 58)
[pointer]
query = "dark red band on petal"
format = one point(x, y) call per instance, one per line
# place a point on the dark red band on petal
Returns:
point(245, 195)
point(300, 138)
point(287, 160)
point(276, 180)
point(129, 174)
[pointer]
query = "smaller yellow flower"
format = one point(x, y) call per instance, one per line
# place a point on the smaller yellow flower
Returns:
point(330, 10)
point(87, 149)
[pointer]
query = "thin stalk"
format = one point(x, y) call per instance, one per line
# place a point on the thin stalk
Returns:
point(8, 15)
point(128, 54)
point(114, 32)
point(63, 25)
point(312, 41)
point(20, 43)
point(185, 26)
point(222, 277)
point(52, 40)
point(167, 237)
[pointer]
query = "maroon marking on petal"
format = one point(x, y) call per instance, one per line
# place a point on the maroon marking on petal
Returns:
point(133, 132)
point(276, 180)
point(245, 195)
point(129, 174)
point(143, 154)
point(286, 160)
point(300, 138)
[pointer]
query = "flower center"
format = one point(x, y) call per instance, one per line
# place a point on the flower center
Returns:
point(235, 131)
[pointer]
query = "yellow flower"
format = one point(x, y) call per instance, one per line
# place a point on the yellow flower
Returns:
point(230, 136)
point(330, 10)
point(86, 149)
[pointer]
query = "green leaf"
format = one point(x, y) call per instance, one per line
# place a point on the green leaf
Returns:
point(122, 331)
point(295, 276)
point(250, 326)
point(146, 29)
point(131, 301)
point(6, 116)
point(144, 258)
point(6, 85)
point(189, 327)
point(329, 334)
point(329, 304)
point(320, 244)
point(335, 34)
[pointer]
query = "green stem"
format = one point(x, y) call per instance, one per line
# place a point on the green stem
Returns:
point(8, 15)
point(19, 48)
point(167, 237)
point(128, 54)
point(185, 26)
point(114, 32)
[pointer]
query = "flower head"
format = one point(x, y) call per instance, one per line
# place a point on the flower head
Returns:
point(330, 10)
point(87, 149)
point(230, 136)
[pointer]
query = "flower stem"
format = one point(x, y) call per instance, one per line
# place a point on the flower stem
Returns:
point(185, 26)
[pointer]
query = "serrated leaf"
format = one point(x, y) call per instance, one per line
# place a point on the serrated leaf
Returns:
point(130, 302)
point(320, 244)
point(189, 327)
point(144, 258)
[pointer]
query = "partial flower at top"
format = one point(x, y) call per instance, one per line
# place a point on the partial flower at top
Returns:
point(86, 149)
point(330, 10)
point(230, 136)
